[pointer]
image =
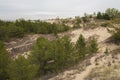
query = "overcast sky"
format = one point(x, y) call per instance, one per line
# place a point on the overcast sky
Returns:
point(44, 9)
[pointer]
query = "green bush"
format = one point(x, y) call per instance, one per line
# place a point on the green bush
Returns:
point(93, 47)
point(109, 14)
point(21, 27)
point(4, 61)
point(21, 69)
point(46, 57)
point(81, 47)
point(52, 56)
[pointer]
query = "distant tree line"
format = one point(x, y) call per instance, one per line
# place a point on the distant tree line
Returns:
point(46, 57)
point(110, 13)
point(18, 28)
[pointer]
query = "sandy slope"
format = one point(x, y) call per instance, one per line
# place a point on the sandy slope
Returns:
point(25, 44)
point(102, 34)
point(81, 71)
point(87, 70)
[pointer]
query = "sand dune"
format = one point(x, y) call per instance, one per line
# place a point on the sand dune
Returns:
point(102, 34)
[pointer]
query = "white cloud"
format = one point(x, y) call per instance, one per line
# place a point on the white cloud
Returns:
point(52, 8)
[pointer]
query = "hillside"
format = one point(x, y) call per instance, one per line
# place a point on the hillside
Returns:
point(80, 48)
point(82, 70)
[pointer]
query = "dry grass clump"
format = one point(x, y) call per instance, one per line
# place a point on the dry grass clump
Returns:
point(106, 24)
point(115, 21)
point(90, 26)
point(105, 73)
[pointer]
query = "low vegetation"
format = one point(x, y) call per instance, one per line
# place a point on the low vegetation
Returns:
point(115, 21)
point(19, 28)
point(115, 34)
point(4, 61)
point(21, 69)
point(46, 57)
point(105, 73)
point(109, 14)
point(55, 56)
point(106, 24)
point(90, 26)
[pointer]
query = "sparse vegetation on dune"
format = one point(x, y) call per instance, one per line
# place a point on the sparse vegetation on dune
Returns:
point(115, 34)
point(105, 73)
point(60, 52)
point(109, 14)
point(107, 24)
point(86, 46)
point(115, 21)
point(49, 57)
point(19, 28)
point(108, 71)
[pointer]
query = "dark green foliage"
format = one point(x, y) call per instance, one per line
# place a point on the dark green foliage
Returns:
point(15, 31)
point(110, 13)
point(41, 55)
point(21, 69)
point(81, 47)
point(63, 52)
point(80, 42)
point(4, 61)
point(3, 33)
point(113, 13)
point(21, 27)
point(46, 57)
point(11, 31)
point(99, 15)
point(51, 56)
point(18, 69)
point(93, 47)
point(105, 16)
point(40, 27)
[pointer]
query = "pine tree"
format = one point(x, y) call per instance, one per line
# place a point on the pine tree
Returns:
point(21, 69)
point(99, 15)
point(81, 46)
point(41, 55)
point(4, 61)
point(93, 46)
